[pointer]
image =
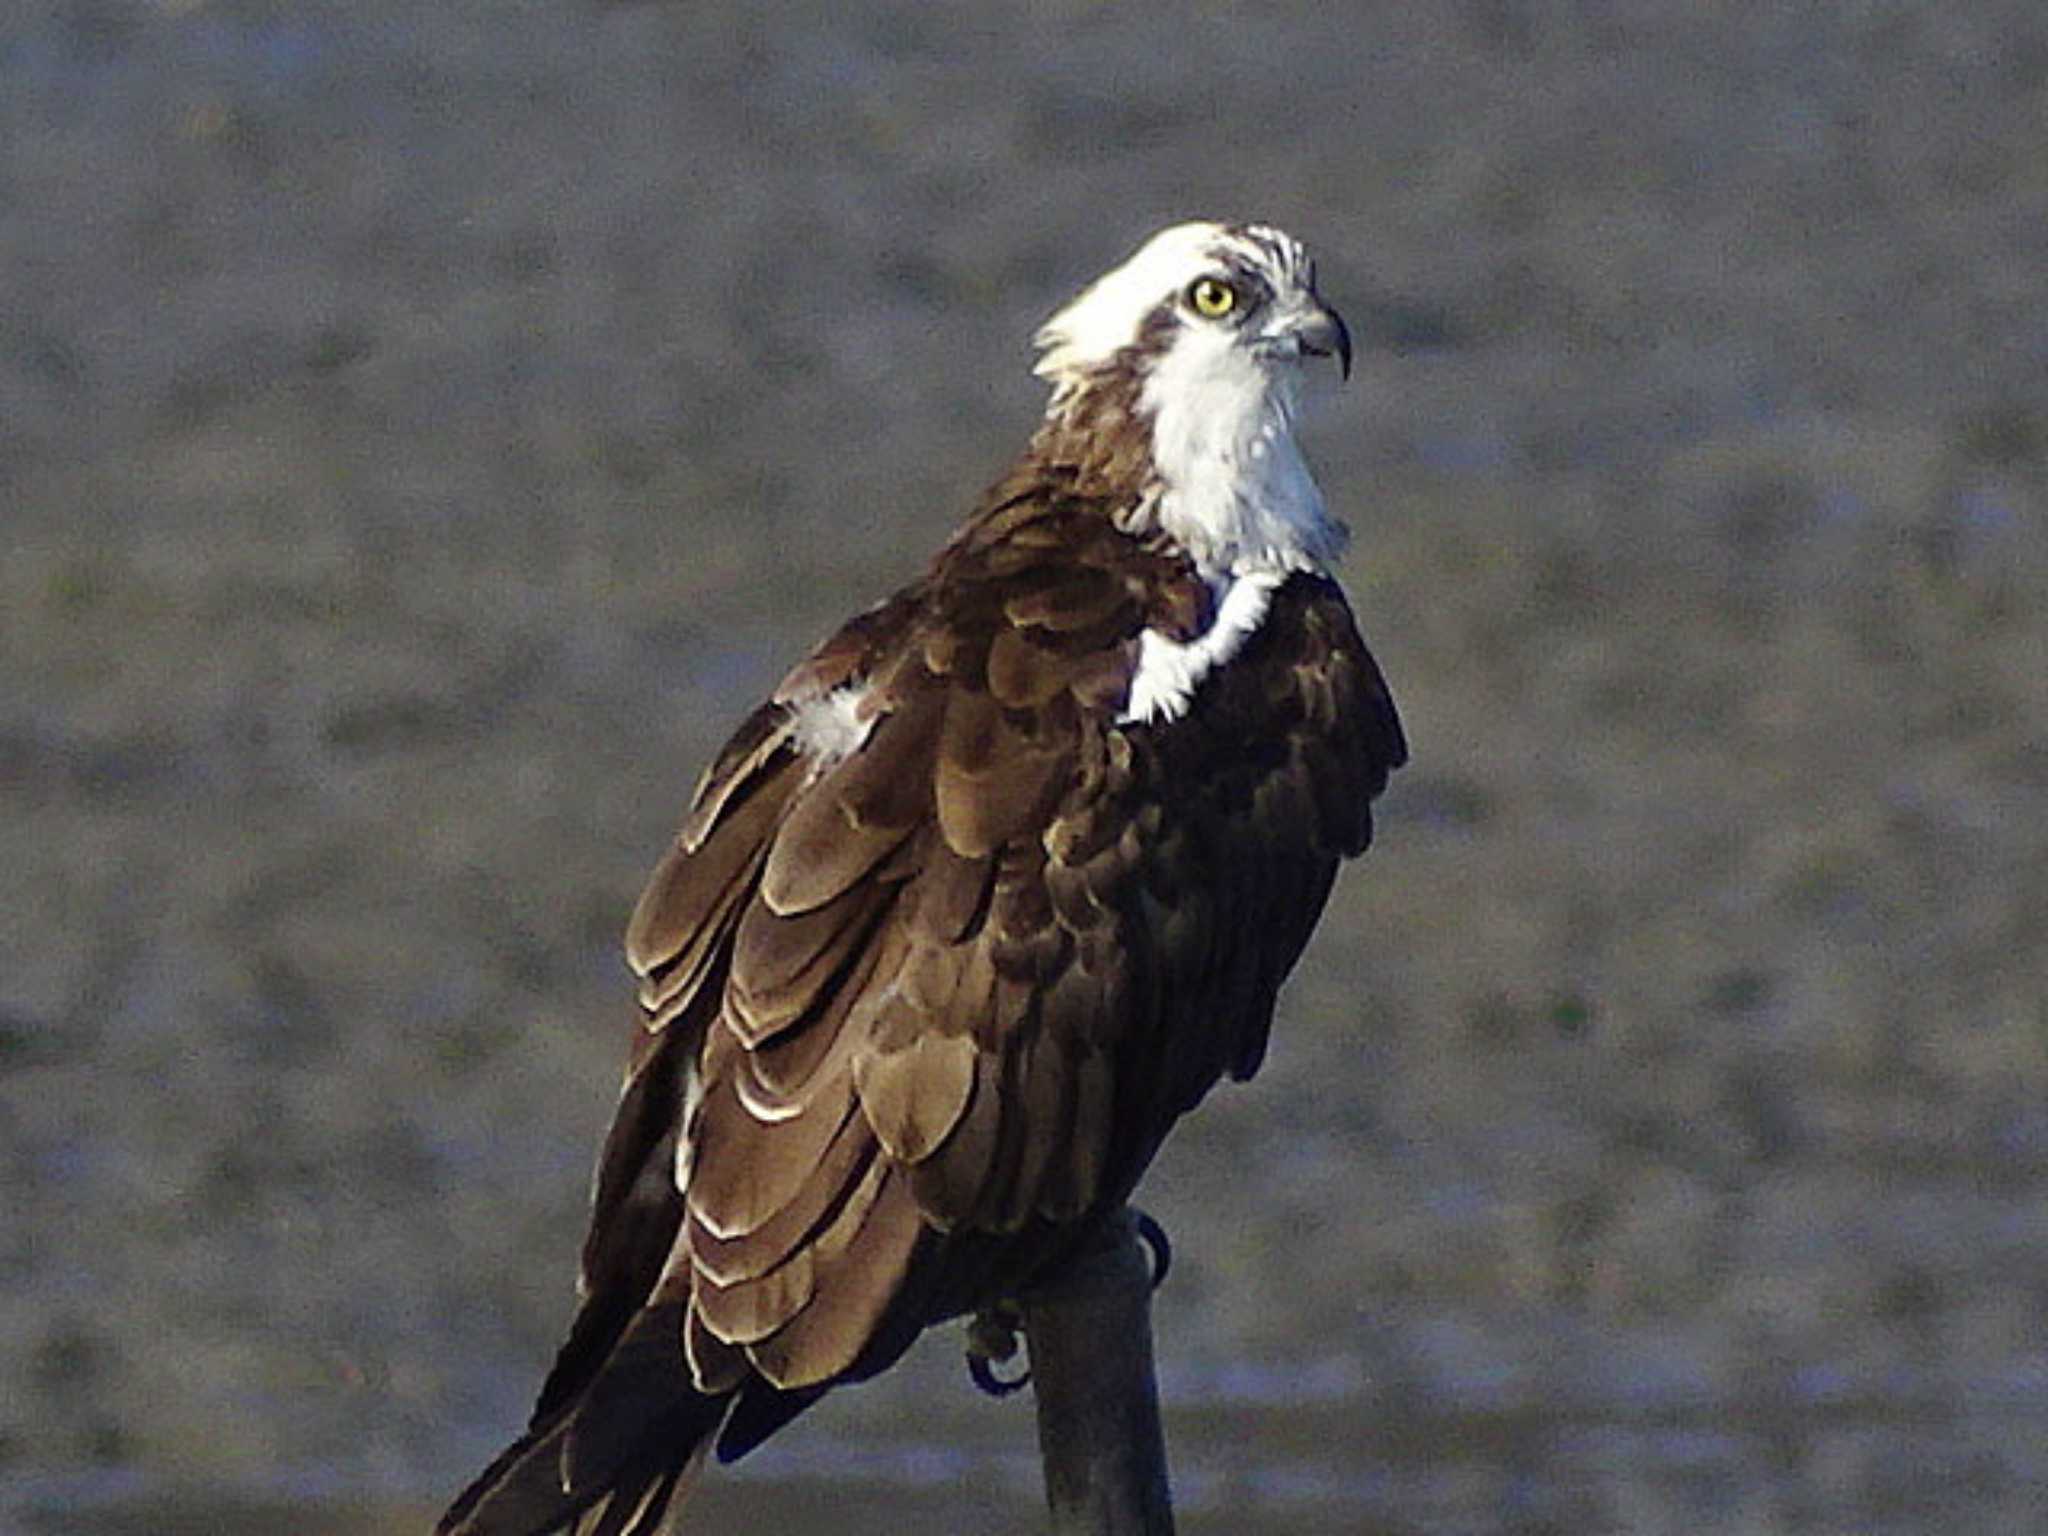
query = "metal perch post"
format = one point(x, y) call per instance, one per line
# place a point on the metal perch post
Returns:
point(1090, 1338)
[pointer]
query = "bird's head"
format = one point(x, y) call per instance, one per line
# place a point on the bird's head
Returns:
point(1209, 302)
point(1199, 340)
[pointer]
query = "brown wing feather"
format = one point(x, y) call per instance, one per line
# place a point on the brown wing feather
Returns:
point(784, 964)
point(863, 1258)
point(746, 1168)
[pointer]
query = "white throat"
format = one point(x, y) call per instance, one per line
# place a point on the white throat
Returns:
point(1236, 493)
point(1234, 489)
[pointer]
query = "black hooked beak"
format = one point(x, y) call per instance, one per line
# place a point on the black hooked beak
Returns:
point(1324, 333)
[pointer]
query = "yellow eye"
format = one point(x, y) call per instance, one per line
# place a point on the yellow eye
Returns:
point(1211, 297)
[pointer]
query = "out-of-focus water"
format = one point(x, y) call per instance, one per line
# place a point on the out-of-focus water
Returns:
point(426, 428)
point(1644, 1448)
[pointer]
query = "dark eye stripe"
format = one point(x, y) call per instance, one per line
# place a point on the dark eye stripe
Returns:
point(1156, 330)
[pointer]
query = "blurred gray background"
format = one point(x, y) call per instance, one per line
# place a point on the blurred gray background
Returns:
point(424, 428)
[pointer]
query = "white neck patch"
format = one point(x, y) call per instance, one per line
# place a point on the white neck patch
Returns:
point(1170, 670)
point(1234, 489)
point(1229, 483)
point(1232, 485)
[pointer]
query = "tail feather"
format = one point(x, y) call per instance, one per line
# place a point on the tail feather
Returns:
point(641, 1399)
point(615, 1460)
point(523, 1492)
point(654, 1509)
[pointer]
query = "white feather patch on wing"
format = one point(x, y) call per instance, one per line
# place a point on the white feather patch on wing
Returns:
point(832, 728)
point(1169, 671)
point(686, 1143)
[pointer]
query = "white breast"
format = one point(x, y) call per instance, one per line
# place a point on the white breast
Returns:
point(1170, 670)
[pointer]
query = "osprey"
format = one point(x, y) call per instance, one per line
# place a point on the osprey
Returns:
point(998, 883)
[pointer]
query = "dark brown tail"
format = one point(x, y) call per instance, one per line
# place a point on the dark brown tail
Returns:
point(616, 1459)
